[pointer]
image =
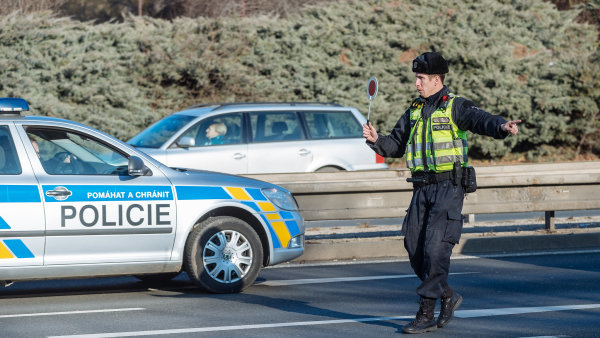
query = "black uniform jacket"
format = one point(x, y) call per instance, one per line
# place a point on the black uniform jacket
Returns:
point(465, 114)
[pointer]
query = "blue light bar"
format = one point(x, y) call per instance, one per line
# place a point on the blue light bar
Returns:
point(13, 105)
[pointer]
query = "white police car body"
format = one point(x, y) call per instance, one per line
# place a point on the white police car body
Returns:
point(75, 202)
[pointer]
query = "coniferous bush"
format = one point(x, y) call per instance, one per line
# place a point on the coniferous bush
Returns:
point(517, 58)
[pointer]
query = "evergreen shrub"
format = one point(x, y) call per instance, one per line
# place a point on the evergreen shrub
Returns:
point(518, 58)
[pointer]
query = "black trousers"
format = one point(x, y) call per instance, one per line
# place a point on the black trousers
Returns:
point(432, 226)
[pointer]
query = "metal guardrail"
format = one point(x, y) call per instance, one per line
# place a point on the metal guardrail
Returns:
point(501, 189)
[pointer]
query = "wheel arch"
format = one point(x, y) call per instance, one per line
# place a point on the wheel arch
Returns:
point(247, 217)
point(333, 162)
point(330, 168)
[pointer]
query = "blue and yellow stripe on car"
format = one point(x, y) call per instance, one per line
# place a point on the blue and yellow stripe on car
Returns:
point(13, 248)
point(282, 224)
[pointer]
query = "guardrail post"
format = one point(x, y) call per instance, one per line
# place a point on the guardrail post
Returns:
point(469, 218)
point(549, 216)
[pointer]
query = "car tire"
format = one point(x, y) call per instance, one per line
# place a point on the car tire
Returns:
point(223, 255)
point(157, 277)
point(328, 169)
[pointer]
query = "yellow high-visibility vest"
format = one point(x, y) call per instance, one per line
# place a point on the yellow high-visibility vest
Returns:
point(445, 144)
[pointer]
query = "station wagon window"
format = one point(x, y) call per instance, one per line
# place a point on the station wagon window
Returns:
point(157, 134)
point(323, 125)
point(275, 126)
point(216, 130)
point(63, 152)
point(9, 161)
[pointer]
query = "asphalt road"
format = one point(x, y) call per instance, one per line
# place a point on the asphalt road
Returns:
point(553, 295)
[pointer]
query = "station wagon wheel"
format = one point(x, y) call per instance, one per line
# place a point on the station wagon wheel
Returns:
point(329, 169)
point(223, 255)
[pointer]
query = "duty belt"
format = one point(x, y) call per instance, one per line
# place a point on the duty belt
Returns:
point(422, 178)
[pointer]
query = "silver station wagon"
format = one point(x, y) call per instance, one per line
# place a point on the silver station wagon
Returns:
point(256, 138)
point(75, 202)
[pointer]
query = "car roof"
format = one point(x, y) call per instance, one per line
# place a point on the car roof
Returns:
point(33, 118)
point(210, 109)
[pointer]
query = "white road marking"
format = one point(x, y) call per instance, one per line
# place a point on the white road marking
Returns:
point(233, 327)
point(459, 313)
point(520, 310)
point(70, 312)
point(284, 282)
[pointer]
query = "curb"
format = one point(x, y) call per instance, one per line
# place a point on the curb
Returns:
point(470, 244)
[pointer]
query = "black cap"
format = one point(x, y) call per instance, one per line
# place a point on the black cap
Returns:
point(430, 63)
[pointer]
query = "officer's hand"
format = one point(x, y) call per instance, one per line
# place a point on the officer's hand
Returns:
point(511, 126)
point(370, 133)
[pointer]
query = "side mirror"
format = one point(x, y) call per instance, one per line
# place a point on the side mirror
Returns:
point(136, 167)
point(186, 142)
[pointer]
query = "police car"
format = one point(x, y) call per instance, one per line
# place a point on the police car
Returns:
point(75, 202)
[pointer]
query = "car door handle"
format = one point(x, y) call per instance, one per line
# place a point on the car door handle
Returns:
point(59, 193)
point(303, 152)
point(238, 156)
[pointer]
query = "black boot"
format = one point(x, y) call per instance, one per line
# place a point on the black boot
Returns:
point(424, 321)
point(449, 304)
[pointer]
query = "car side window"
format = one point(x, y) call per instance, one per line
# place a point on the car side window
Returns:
point(335, 124)
point(222, 129)
point(63, 152)
point(275, 126)
point(9, 161)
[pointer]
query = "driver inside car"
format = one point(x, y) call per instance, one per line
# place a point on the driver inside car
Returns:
point(59, 163)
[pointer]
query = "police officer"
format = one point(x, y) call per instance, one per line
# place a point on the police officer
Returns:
point(432, 136)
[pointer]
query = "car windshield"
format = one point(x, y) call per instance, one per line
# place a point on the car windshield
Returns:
point(156, 135)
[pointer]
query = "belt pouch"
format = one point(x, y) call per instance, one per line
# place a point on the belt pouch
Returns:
point(469, 181)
